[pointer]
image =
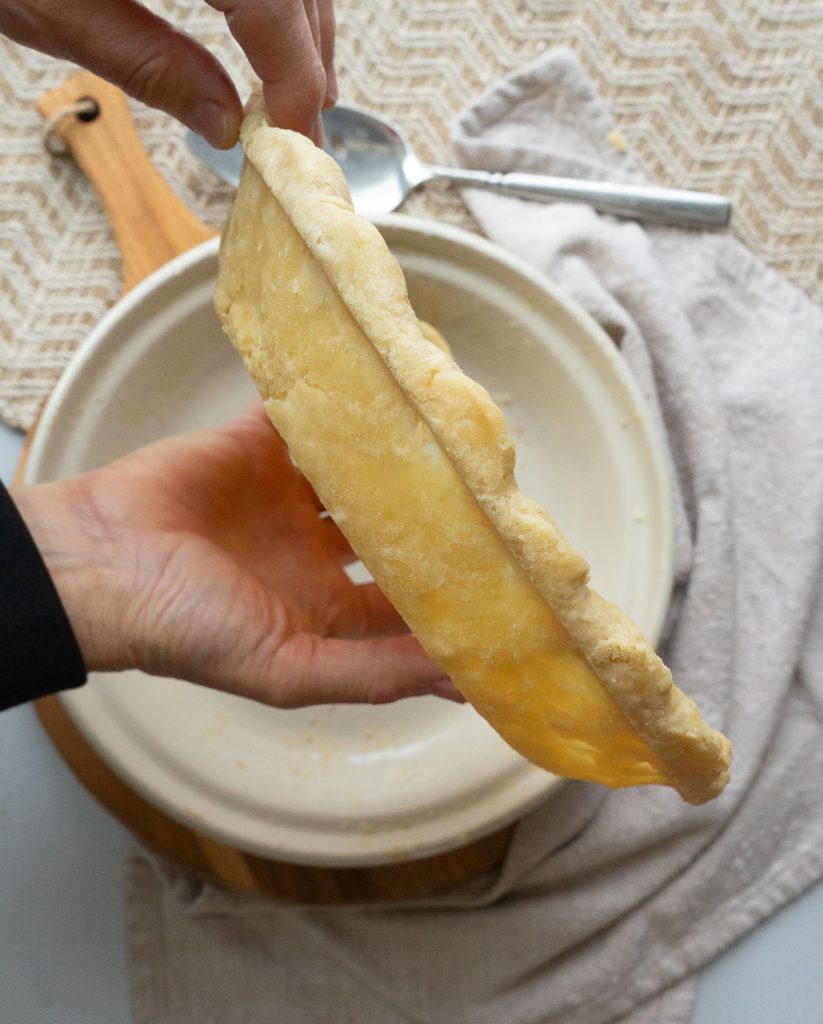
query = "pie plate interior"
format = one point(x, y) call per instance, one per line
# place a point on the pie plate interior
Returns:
point(350, 785)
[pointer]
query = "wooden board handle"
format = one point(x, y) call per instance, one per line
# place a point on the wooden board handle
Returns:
point(151, 225)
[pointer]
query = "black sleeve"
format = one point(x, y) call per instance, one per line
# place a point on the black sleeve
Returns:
point(38, 649)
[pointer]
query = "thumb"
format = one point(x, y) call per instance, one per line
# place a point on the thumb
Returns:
point(141, 53)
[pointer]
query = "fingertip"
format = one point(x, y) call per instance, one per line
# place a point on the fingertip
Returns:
point(317, 133)
point(232, 128)
point(218, 125)
point(332, 91)
point(255, 405)
point(164, 68)
point(446, 689)
point(297, 104)
point(255, 408)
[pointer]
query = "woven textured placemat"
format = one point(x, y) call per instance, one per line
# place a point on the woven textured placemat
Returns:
point(721, 95)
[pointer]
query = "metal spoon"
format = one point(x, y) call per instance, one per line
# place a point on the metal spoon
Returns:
point(382, 169)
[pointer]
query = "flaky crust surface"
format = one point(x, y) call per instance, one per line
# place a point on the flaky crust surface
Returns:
point(651, 732)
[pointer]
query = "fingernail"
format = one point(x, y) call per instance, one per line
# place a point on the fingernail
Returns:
point(214, 123)
point(332, 94)
point(318, 136)
point(446, 689)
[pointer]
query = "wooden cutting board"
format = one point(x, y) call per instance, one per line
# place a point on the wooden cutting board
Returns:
point(151, 227)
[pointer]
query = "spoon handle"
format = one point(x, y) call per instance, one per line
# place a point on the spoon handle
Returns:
point(642, 202)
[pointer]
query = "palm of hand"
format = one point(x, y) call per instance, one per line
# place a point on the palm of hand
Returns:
point(236, 580)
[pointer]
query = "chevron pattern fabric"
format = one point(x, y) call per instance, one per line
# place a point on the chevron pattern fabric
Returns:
point(721, 95)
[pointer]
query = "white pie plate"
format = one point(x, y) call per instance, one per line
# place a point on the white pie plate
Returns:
point(358, 786)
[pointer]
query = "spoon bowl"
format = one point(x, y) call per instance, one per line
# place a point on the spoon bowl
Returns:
point(376, 158)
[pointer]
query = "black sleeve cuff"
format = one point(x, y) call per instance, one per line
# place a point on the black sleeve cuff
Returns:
point(38, 649)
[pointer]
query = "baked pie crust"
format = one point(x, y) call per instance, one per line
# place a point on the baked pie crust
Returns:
point(413, 460)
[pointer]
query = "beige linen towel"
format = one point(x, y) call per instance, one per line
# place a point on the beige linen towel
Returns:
point(608, 902)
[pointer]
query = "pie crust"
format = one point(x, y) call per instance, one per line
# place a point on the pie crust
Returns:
point(413, 460)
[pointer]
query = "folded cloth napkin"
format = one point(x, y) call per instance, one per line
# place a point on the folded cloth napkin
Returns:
point(608, 902)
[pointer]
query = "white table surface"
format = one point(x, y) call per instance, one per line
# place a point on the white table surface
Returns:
point(62, 955)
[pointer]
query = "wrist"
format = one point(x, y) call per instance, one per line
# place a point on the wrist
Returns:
point(82, 561)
